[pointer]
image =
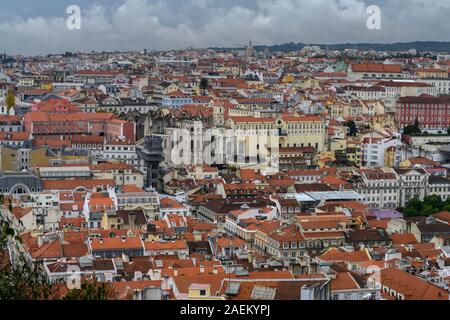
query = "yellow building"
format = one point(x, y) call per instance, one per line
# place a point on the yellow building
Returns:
point(339, 109)
point(301, 131)
point(288, 79)
point(384, 121)
point(199, 291)
point(432, 73)
point(47, 86)
point(338, 145)
point(354, 151)
point(292, 130)
point(111, 221)
point(124, 220)
point(324, 158)
point(41, 157)
point(8, 158)
point(310, 83)
point(389, 157)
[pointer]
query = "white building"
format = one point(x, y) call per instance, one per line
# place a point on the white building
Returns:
point(124, 151)
point(374, 147)
point(442, 85)
point(233, 221)
point(379, 188)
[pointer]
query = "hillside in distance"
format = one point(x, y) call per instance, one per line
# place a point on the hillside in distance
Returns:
point(421, 46)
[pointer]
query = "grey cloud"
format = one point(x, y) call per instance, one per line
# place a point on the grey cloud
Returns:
point(158, 24)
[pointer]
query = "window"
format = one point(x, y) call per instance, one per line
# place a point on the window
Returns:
point(203, 292)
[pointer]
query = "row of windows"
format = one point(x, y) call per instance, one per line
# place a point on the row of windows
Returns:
point(87, 146)
point(137, 200)
point(119, 148)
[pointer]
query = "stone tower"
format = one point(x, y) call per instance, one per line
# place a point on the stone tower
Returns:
point(151, 152)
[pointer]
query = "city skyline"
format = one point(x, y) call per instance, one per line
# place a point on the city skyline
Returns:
point(243, 152)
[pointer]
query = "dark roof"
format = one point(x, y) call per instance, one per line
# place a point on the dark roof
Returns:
point(434, 227)
point(138, 214)
point(417, 220)
point(367, 235)
point(196, 246)
point(425, 99)
point(291, 290)
point(221, 206)
point(438, 180)
point(313, 187)
point(406, 170)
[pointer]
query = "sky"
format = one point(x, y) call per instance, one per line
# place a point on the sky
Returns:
point(32, 27)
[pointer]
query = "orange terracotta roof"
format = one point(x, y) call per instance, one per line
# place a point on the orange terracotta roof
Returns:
point(412, 287)
point(49, 250)
point(116, 243)
point(337, 255)
point(405, 238)
point(376, 67)
point(169, 203)
point(88, 184)
point(132, 188)
point(344, 281)
point(443, 216)
point(172, 245)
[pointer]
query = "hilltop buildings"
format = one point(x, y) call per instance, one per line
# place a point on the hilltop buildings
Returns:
point(231, 174)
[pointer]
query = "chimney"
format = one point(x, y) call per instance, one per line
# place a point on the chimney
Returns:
point(175, 272)
point(101, 240)
point(202, 269)
point(124, 239)
point(215, 271)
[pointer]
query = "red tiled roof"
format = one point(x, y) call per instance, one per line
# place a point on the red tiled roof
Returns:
point(376, 67)
point(88, 184)
point(412, 287)
point(51, 249)
point(172, 245)
point(116, 243)
point(337, 255)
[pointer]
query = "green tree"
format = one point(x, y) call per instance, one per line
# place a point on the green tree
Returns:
point(27, 280)
point(90, 290)
point(413, 129)
point(6, 229)
point(430, 205)
point(433, 201)
point(428, 210)
point(413, 208)
point(353, 130)
point(204, 83)
point(24, 281)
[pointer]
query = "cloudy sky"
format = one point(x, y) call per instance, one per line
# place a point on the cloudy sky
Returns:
point(39, 26)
